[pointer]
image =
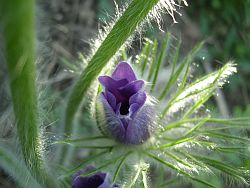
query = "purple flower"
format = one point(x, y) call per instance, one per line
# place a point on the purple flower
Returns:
point(98, 180)
point(129, 117)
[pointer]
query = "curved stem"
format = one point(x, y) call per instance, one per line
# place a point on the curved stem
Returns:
point(17, 19)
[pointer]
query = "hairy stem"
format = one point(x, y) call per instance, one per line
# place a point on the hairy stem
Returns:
point(17, 20)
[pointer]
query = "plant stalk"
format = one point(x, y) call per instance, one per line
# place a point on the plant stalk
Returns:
point(18, 29)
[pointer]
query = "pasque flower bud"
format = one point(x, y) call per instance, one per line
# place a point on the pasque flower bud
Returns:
point(128, 116)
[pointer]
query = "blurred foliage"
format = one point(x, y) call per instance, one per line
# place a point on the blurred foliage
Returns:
point(226, 26)
point(238, 112)
point(104, 7)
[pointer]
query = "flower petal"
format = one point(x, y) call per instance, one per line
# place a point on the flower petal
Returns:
point(141, 125)
point(124, 71)
point(138, 98)
point(133, 109)
point(136, 101)
point(125, 121)
point(111, 99)
point(112, 86)
point(112, 125)
point(131, 88)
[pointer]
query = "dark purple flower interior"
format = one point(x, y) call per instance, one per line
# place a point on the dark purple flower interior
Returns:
point(121, 90)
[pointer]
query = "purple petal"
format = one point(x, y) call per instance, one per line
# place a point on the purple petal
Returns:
point(131, 88)
point(124, 71)
point(139, 128)
point(113, 124)
point(125, 121)
point(117, 108)
point(136, 101)
point(111, 99)
point(138, 98)
point(133, 109)
point(112, 86)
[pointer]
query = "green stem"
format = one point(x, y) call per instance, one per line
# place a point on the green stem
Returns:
point(17, 19)
point(16, 169)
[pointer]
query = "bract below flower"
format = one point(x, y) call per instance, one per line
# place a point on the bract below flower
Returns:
point(128, 116)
